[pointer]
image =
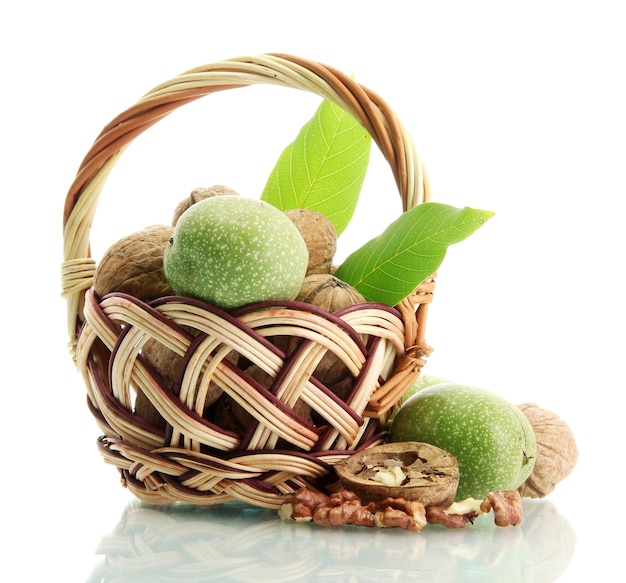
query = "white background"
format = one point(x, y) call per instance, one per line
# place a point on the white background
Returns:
point(515, 107)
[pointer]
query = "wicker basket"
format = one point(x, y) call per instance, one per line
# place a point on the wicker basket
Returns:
point(196, 460)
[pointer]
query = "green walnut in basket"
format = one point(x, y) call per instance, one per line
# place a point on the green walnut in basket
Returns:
point(233, 250)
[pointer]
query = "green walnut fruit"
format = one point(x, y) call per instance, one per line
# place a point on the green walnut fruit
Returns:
point(422, 382)
point(491, 438)
point(231, 250)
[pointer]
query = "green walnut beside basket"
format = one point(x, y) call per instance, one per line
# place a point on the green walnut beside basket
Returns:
point(193, 459)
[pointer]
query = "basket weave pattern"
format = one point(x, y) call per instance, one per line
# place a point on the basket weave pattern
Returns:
point(194, 458)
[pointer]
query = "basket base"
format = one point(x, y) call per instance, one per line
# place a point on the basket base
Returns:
point(263, 478)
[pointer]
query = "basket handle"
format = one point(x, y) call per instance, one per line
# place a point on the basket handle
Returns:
point(277, 69)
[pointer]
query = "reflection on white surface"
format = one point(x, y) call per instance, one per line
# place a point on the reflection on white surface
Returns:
point(232, 542)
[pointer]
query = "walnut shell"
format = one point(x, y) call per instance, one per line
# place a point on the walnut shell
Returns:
point(431, 473)
point(557, 452)
point(198, 194)
point(328, 292)
point(134, 265)
point(319, 235)
point(144, 409)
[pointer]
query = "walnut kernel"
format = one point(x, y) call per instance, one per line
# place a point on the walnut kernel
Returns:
point(302, 505)
point(401, 513)
point(343, 508)
point(506, 505)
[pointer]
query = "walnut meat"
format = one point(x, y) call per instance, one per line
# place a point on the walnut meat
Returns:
point(302, 505)
point(344, 508)
point(557, 452)
point(401, 513)
point(506, 505)
point(439, 515)
point(134, 265)
point(198, 194)
point(319, 235)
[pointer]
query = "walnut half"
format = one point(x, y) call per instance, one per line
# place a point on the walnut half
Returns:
point(410, 470)
point(401, 513)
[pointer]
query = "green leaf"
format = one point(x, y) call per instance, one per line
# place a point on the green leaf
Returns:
point(323, 169)
point(389, 267)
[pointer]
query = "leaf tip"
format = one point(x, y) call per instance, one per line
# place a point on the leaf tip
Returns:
point(486, 216)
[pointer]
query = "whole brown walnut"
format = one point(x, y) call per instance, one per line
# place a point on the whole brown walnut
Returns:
point(328, 292)
point(557, 452)
point(198, 194)
point(229, 415)
point(319, 235)
point(134, 265)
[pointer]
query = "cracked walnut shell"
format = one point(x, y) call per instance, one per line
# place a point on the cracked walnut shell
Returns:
point(409, 470)
point(557, 452)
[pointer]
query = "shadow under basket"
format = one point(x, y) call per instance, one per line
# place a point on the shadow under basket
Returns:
point(274, 426)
